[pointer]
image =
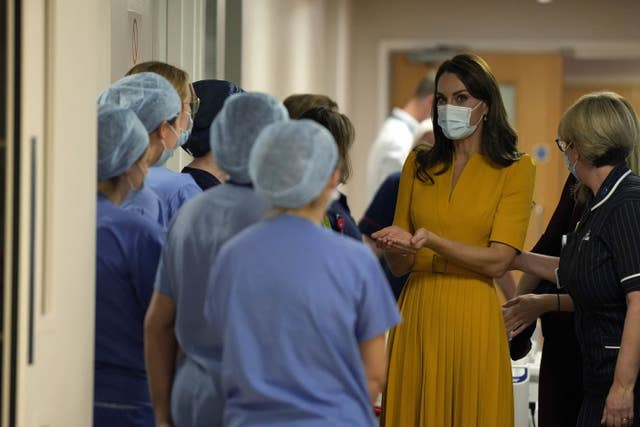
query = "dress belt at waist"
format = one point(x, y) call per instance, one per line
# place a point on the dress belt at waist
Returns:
point(440, 265)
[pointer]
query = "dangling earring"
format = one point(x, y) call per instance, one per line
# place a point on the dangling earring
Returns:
point(484, 117)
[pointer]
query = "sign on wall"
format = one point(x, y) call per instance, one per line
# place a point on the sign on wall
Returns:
point(132, 36)
point(135, 35)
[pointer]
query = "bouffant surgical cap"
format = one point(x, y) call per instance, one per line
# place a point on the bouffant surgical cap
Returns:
point(292, 162)
point(212, 94)
point(149, 95)
point(235, 129)
point(122, 139)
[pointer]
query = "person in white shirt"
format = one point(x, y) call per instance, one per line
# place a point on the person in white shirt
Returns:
point(396, 137)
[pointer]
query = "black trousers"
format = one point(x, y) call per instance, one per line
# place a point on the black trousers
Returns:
point(560, 387)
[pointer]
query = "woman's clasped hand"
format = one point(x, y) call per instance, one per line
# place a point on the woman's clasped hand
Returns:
point(395, 239)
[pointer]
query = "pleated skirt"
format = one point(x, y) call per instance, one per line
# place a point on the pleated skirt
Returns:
point(449, 358)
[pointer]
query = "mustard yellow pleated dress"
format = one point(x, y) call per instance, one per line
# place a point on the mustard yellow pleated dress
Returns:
point(449, 358)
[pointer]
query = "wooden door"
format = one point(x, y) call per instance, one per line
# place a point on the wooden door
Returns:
point(573, 91)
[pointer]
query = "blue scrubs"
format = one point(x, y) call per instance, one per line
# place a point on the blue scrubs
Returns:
point(291, 302)
point(173, 188)
point(146, 203)
point(195, 236)
point(128, 249)
point(168, 188)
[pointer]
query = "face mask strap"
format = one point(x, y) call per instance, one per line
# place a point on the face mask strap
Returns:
point(477, 105)
point(175, 132)
point(190, 127)
point(140, 168)
point(482, 118)
point(131, 187)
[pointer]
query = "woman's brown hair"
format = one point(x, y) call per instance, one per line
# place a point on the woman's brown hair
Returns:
point(343, 133)
point(178, 78)
point(299, 104)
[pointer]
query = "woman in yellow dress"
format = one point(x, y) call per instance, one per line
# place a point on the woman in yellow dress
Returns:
point(461, 217)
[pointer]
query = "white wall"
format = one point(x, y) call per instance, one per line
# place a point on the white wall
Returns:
point(169, 30)
point(148, 41)
point(294, 46)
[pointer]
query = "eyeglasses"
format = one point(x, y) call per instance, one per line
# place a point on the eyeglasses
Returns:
point(194, 104)
point(563, 145)
point(195, 101)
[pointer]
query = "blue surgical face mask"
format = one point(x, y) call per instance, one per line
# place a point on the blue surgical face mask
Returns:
point(167, 153)
point(185, 134)
point(455, 121)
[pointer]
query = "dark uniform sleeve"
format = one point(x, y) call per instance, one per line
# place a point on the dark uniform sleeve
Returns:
point(624, 241)
point(562, 221)
point(380, 212)
point(341, 220)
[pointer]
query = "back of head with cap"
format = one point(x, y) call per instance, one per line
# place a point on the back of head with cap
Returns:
point(149, 95)
point(122, 139)
point(235, 129)
point(212, 94)
point(292, 162)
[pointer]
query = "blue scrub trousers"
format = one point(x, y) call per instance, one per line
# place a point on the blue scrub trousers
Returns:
point(195, 399)
point(106, 414)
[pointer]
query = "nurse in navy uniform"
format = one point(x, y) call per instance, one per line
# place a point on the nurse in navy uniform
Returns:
point(600, 260)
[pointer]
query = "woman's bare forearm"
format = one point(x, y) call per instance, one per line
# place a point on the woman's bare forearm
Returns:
point(527, 284)
point(399, 264)
point(542, 266)
point(492, 260)
point(628, 361)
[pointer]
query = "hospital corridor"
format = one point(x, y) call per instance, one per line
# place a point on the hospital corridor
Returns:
point(407, 213)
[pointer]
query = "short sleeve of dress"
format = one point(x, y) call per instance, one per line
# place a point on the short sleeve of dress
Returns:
point(623, 238)
point(514, 207)
point(402, 217)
